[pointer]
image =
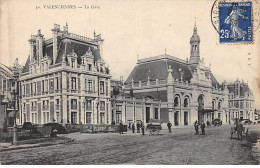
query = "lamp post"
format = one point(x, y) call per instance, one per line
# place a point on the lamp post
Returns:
point(15, 93)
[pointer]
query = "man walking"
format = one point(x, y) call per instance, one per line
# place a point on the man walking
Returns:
point(121, 128)
point(202, 127)
point(142, 127)
point(196, 125)
point(239, 128)
point(133, 127)
point(138, 127)
point(169, 125)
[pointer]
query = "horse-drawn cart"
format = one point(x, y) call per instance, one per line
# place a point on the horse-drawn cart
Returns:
point(234, 131)
point(154, 126)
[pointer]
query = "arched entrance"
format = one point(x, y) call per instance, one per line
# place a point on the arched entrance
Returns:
point(200, 109)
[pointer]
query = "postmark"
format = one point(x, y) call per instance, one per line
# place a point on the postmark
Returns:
point(235, 21)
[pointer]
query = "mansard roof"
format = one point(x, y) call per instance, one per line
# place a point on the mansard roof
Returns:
point(157, 68)
point(244, 88)
point(80, 47)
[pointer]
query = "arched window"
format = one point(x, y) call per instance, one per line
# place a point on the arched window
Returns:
point(213, 104)
point(186, 102)
point(219, 104)
point(176, 102)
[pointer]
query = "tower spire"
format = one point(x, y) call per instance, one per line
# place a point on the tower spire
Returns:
point(194, 43)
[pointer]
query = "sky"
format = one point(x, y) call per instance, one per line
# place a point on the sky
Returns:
point(130, 28)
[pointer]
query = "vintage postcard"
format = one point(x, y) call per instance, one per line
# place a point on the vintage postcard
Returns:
point(158, 82)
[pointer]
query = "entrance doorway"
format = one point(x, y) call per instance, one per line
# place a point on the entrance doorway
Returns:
point(147, 114)
point(186, 118)
point(176, 117)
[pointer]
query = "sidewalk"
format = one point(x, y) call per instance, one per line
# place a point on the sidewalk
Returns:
point(7, 146)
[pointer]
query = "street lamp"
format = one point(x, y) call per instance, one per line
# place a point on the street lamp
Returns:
point(15, 95)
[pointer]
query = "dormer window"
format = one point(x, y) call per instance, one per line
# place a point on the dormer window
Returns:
point(89, 67)
point(73, 63)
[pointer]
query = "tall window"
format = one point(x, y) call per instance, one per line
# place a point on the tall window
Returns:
point(102, 87)
point(1, 84)
point(57, 83)
point(89, 67)
point(31, 88)
point(73, 83)
point(118, 113)
point(73, 103)
point(88, 104)
point(73, 63)
point(156, 116)
point(57, 104)
point(219, 105)
point(4, 85)
point(176, 102)
point(102, 118)
point(102, 105)
point(51, 85)
point(43, 86)
point(57, 117)
point(90, 87)
point(85, 84)
point(106, 89)
point(241, 115)
point(186, 102)
point(73, 117)
point(88, 117)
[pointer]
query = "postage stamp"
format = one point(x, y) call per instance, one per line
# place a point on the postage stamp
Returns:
point(235, 22)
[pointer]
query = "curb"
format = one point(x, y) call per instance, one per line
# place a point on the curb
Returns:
point(27, 146)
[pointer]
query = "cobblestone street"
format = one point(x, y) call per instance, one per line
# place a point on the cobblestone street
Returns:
point(179, 147)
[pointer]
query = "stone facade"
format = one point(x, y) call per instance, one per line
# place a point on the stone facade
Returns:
point(240, 102)
point(187, 89)
point(7, 85)
point(65, 80)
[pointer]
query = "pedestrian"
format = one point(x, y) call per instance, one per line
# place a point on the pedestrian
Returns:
point(239, 128)
point(138, 126)
point(133, 127)
point(121, 128)
point(202, 127)
point(208, 123)
point(196, 125)
point(169, 125)
point(129, 126)
point(142, 127)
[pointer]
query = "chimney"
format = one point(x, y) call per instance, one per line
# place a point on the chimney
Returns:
point(39, 38)
point(32, 43)
point(55, 31)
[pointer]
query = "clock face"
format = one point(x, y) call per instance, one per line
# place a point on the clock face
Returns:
point(255, 13)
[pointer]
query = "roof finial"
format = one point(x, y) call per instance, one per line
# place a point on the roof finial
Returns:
point(66, 24)
point(165, 52)
point(195, 26)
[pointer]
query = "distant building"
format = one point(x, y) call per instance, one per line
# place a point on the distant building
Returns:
point(65, 80)
point(188, 90)
point(240, 102)
point(129, 109)
point(7, 84)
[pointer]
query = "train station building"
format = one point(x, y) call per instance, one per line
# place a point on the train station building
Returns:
point(187, 89)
